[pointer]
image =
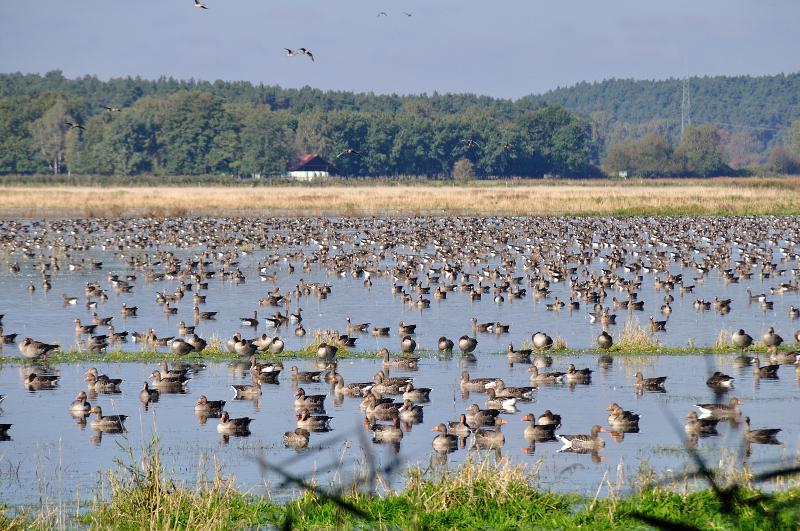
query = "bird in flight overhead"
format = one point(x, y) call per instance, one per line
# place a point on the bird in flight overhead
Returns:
point(383, 13)
point(471, 143)
point(198, 4)
point(73, 126)
point(407, 14)
point(349, 150)
point(111, 109)
point(291, 52)
point(304, 51)
point(506, 145)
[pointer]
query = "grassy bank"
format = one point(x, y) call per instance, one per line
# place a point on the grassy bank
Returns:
point(723, 196)
point(476, 495)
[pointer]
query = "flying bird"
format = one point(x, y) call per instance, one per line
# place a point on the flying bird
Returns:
point(308, 53)
point(349, 150)
point(407, 14)
point(471, 143)
point(73, 126)
point(198, 4)
point(506, 145)
point(291, 53)
point(383, 13)
point(111, 109)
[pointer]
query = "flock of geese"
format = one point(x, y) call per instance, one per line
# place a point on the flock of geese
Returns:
point(439, 258)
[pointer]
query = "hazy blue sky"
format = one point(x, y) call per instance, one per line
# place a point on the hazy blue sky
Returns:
point(502, 48)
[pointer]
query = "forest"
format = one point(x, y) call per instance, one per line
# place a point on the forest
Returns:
point(129, 126)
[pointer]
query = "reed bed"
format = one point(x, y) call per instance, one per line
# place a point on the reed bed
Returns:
point(668, 197)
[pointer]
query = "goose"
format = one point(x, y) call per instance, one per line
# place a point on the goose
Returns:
point(312, 422)
point(762, 436)
point(404, 362)
point(80, 406)
point(308, 53)
point(477, 384)
point(408, 345)
point(117, 337)
point(203, 315)
point(481, 417)
point(101, 321)
point(385, 433)
point(444, 442)
point(700, 425)
point(250, 321)
point(110, 109)
point(541, 341)
point(148, 395)
point(517, 355)
point(407, 328)
point(297, 438)
point(380, 331)
point(247, 391)
point(540, 432)
point(549, 418)
point(545, 377)
point(587, 442)
point(605, 341)
point(350, 151)
point(356, 328)
point(578, 375)
point(229, 425)
point(111, 422)
point(352, 389)
point(77, 125)
point(35, 381)
point(276, 347)
point(35, 349)
point(416, 394)
point(719, 379)
point(445, 344)
point(410, 413)
point(291, 53)
point(197, 343)
point(649, 383)
point(101, 382)
point(621, 419)
point(308, 401)
point(7, 339)
point(486, 438)
point(659, 326)
point(467, 344)
point(767, 371)
point(129, 312)
point(461, 428)
point(741, 339)
point(721, 411)
point(500, 390)
point(83, 329)
point(208, 407)
point(198, 4)
point(381, 408)
point(499, 402)
point(168, 383)
point(307, 376)
point(772, 340)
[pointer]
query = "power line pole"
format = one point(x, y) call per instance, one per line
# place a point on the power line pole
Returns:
point(686, 104)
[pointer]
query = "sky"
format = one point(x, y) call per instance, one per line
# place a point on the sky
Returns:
point(499, 48)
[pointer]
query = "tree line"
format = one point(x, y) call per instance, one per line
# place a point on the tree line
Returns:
point(134, 126)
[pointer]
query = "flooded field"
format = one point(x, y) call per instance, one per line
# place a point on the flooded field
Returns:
point(361, 261)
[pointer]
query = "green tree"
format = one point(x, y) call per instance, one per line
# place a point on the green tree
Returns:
point(264, 146)
point(702, 147)
point(49, 135)
point(794, 137)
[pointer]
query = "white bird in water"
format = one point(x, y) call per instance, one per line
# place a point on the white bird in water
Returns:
point(198, 4)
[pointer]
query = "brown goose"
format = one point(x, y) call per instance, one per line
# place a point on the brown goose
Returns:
point(198, 315)
point(700, 425)
point(7, 339)
point(549, 418)
point(445, 344)
point(385, 433)
point(306, 376)
point(649, 383)
point(312, 422)
point(389, 386)
point(245, 391)
point(102, 382)
point(721, 411)
point(621, 419)
point(545, 377)
point(83, 329)
point(351, 389)
point(767, 371)
point(297, 438)
point(444, 442)
point(540, 432)
point(719, 379)
point(416, 394)
point(168, 383)
point(460, 428)
point(476, 384)
point(407, 328)
point(486, 438)
point(381, 408)
point(229, 425)
point(174, 373)
point(481, 417)
point(308, 401)
point(772, 340)
point(35, 349)
point(467, 344)
point(205, 406)
point(111, 422)
point(500, 402)
point(587, 442)
point(148, 395)
point(410, 413)
point(522, 393)
point(762, 436)
point(407, 345)
point(517, 355)
point(405, 362)
point(80, 406)
point(578, 375)
point(34, 381)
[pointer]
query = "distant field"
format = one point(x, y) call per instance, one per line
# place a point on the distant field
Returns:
point(721, 196)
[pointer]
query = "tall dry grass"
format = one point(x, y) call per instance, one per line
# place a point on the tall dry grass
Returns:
point(667, 197)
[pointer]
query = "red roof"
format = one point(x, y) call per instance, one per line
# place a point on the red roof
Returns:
point(314, 163)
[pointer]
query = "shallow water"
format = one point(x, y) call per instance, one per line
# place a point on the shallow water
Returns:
point(47, 451)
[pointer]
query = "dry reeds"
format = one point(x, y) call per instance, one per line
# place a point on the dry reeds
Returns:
point(664, 197)
point(635, 337)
